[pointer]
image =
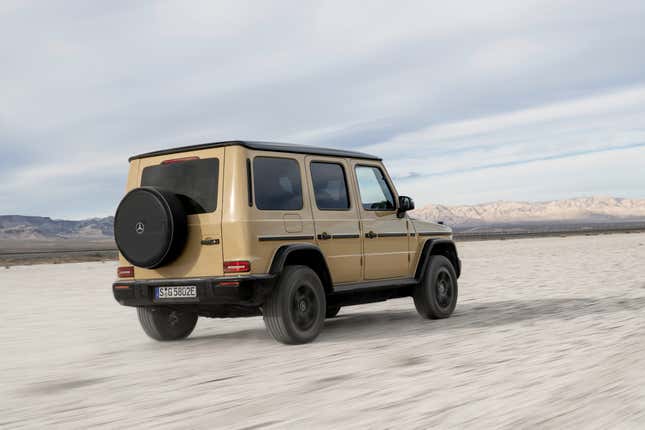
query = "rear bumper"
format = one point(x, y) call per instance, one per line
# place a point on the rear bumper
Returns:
point(250, 290)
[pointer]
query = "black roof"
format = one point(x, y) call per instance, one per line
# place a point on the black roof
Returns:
point(264, 146)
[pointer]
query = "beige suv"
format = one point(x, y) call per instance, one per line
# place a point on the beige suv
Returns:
point(289, 232)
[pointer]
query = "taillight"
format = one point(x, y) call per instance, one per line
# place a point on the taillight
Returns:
point(125, 272)
point(179, 160)
point(237, 266)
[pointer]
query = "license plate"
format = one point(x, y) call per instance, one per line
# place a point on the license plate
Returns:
point(187, 292)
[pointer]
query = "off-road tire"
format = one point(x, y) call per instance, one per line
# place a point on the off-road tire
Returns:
point(432, 300)
point(161, 323)
point(332, 311)
point(294, 313)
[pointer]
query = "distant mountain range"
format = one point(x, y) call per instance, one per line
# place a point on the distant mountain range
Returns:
point(585, 210)
point(496, 216)
point(39, 228)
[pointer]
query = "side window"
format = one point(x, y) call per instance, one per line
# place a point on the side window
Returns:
point(375, 192)
point(330, 186)
point(277, 184)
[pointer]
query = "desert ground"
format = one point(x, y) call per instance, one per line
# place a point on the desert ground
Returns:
point(17, 252)
point(548, 333)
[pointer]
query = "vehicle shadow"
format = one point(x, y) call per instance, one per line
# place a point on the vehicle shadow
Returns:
point(475, 315)
point(466, 316)
point(254, 334)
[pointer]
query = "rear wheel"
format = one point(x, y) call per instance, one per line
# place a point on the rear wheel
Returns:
point(436, 296)
point(294, 313)
point(162, 323)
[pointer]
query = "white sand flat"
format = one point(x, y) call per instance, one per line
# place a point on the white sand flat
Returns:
point(548, 333)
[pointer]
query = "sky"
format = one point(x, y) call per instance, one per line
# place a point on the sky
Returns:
point(467, 102)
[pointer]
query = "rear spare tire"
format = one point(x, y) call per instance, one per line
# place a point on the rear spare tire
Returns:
point(150, 227)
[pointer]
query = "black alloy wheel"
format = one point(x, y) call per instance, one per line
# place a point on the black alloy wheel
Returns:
point(304, 307)
point(435, 297)
point(294, 313)
point(445, 288)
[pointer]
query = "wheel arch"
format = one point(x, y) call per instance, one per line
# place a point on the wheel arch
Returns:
point(303, 254)
point(445, 247)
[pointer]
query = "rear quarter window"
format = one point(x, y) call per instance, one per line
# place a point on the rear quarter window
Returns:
point(195, 182)
point(277, 183)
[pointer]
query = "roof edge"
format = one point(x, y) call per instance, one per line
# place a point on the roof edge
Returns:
point(262, 146)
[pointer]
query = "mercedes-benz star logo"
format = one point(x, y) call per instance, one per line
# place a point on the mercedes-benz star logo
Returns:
point(140, 228)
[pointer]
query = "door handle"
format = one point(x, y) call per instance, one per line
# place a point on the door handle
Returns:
point(370, 234)
point(324, 236)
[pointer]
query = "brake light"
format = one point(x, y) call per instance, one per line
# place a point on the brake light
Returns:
point(125, 272)
point(237, 266)
point(179, 160)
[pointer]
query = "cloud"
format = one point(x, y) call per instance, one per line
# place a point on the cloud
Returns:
point(591, 124)
point(617, 104)
point(585, 174)
point(432, 87)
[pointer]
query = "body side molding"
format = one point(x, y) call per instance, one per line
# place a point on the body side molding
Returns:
point(284, 238)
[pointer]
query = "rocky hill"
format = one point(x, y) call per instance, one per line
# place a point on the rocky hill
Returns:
point(503, 214)
point(39, 228)
point(578, 210)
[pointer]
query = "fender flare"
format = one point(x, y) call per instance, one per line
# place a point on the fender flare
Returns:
point(281, 255)
point(426, 253)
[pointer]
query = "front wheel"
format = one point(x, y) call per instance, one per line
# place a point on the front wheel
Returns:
point(436, 296)
point(294, 313)
point(163, 324)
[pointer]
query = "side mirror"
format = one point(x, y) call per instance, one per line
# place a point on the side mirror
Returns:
point(405, 204)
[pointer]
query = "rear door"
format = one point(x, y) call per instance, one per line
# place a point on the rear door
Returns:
point(281, 211)
point(385, 235)
point(197, 178)
point(336, 217)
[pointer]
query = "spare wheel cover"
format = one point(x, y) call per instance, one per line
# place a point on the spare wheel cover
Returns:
point(150, 227)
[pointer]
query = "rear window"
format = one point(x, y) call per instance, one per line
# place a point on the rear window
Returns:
point(277, 184)
point(194, 181)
